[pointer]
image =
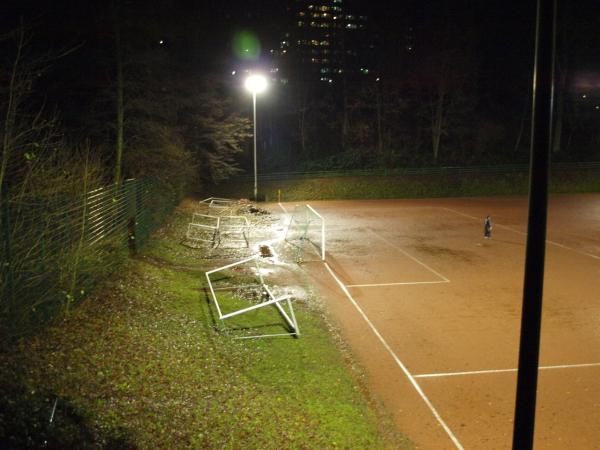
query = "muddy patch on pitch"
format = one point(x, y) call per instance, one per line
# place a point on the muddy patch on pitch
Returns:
point(462, 255)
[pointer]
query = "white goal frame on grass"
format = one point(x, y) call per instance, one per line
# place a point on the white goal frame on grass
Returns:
point(199, 224)
point(303, 217)
point(231, 227)
point(271, 300)
point(207, 201)
point(221, 206)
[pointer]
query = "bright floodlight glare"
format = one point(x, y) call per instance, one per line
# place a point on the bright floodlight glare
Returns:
point(256, 83)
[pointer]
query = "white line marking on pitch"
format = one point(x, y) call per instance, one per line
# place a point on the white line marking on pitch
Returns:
point(525, 234)
point(397, 360)
point(282, 207)
point(409, 255)
point(482, 372)
point(396, 284)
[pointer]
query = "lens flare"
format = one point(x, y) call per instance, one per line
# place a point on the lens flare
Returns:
point(246, 45)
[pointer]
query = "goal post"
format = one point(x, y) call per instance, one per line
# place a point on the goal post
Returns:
point(307, 229)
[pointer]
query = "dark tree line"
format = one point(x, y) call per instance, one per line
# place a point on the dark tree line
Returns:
point(105, 88)
point(460, 96)
point(127, 88)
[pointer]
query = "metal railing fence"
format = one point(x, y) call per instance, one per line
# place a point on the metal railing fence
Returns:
point(55, 251)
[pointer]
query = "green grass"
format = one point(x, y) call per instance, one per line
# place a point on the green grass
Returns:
point(143, 363)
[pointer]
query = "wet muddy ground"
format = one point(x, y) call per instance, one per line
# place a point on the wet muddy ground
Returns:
point(432, 311)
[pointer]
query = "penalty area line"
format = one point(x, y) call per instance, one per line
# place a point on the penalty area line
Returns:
point(407, 283)
point(397, 360)
point(391, 244)
point(491, 371)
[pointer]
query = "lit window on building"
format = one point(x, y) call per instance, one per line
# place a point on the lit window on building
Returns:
point(301, 13)
point(351, 26)
point(364, 71)
point(324, 43)
point(311, 6)
point(314, 42)
point(300, 23)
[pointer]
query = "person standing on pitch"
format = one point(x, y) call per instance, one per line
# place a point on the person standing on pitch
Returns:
point(487, 227)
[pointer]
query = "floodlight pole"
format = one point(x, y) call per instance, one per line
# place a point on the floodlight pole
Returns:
point(255, 167)
point(541, 140)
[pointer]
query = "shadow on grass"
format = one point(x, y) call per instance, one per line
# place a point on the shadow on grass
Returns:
point(43, 420)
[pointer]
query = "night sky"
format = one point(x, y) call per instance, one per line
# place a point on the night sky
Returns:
point(499, 32)
point(496, 37)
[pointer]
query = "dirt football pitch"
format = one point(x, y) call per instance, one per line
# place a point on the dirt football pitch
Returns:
point(432, 311)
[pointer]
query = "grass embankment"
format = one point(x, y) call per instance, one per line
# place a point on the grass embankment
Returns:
point(142, 364)
point(413, 186)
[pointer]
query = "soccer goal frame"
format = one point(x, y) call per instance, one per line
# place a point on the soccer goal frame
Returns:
point(234, 229)
point(207, 201)
point(203, 228)
point(221, 206)
point(303, 218)
point(270, 300)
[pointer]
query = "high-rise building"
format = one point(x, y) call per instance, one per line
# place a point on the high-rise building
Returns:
point(324, 41)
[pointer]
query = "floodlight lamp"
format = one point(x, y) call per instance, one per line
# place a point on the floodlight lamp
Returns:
point(256, 84)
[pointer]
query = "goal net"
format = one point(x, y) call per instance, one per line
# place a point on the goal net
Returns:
point(306, 233)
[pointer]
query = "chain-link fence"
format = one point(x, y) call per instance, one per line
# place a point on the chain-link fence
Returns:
point(54, 252)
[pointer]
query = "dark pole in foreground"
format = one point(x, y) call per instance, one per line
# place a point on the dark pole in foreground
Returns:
point(541, 132)
point(255, 168)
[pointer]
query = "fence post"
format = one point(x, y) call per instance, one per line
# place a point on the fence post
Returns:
point(8, 267)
